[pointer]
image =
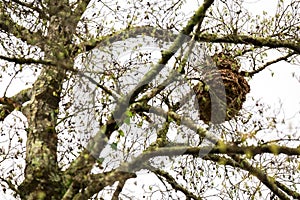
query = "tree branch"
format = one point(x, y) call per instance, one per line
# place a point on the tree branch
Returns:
point(245, 39)
point(98, 142)
point(21, 61)
point(118, 190)
point(228, 149)
point(98, 181)
point(178, 119)
point(81, 7)
point(174, 184)
point(196, 20)
point(41, 13)
point(211, 155)
point(124, 34)
point(283, 58)
point(15, 102)
point(264, 178)
point(62, 65)
point(287, 190)
point(223, 148)
point(8, 26)
point(203, 37)
point(267, 180)
point(10, 185)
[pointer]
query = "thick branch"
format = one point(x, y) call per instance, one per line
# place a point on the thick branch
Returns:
point(204, 37)
point(22, 96)
point(8, 105)
point(287, 190)
point(252, 40)
point(19, 60)
point(81, 7)
point(13, 103)
point(118, 190)
point(178, 119)
point(227, 149)
point(124, 34)
point(220, 148)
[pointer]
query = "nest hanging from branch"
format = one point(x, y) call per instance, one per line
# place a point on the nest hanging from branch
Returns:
point(221, 92)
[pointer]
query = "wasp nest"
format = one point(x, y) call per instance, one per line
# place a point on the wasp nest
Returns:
point(226, 61)
point(221, 91)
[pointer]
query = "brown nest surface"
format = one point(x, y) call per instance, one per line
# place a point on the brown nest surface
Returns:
point(221, 92)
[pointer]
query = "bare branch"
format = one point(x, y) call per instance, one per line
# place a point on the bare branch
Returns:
point(283, 58)
point(174, 184)
point(178, 119)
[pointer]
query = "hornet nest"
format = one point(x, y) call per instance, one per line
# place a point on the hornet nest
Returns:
point(212, 85)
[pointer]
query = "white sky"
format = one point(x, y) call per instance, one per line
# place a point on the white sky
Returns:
point(282, 86)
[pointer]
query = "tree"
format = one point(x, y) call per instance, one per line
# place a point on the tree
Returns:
point(90, 123)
